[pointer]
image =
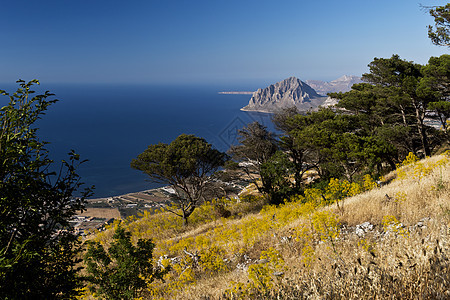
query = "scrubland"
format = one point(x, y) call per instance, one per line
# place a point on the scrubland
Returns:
point(347, 241)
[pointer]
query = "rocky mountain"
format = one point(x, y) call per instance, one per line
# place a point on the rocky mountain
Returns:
point(287, 93)
point(342, 84)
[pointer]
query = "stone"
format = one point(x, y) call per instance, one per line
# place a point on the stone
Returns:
point(285, 94)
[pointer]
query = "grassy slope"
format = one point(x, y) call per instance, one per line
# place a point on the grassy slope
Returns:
point(309, 251)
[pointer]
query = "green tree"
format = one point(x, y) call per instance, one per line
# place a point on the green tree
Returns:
point(382, 115)
point(185, 164)
point(402, 80)
point(276, 174)
point(123, 271)
point(257, 146)
point(440, 32)
point(38, 247)
point(302, 157)
point(436, 86)
point(442, 113)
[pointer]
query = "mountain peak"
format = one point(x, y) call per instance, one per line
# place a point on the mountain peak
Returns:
point(287, 93)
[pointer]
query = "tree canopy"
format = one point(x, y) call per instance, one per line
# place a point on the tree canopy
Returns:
point(123, 270)
point(255, 150)
point(185, 164)
point(440, 32)
point(37, 244)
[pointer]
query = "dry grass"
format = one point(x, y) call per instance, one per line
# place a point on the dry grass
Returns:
point(414, 266)
point(411, 262)
point(409, 199)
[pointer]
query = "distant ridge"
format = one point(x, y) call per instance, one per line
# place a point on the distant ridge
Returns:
point(287, 93)
point(342, 84)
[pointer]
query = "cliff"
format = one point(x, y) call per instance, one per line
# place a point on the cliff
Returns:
point(287, 93)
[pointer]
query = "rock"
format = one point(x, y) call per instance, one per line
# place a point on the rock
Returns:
point(287, 93)
point(363, 228)
point(262, 261)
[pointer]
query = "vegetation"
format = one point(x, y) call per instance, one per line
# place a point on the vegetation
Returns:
point(440, 32)
point(38, 249)
point(123, 270)
point(256, 156)
point(310, 246)
point(185, 164)
point(349, 203)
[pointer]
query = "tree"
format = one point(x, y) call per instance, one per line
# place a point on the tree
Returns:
point(442, 113)
point(331, 136)
point(123, 270)
point(440, 33)
point(185, 164)
point(402, 79)
point(276, 173)
point(38, 247)
point(257, 146)
point(382, 115)
point(436, 85)
point(289, 121)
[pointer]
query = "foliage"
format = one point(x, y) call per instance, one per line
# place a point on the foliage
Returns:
point(122, 271)
point(391, 224)
point(398, 80)
point(440, 33)
point(275, 175)
point(261, 275)
point(394, 106)
point(255, 151)
point(185, 164)
point(369, 183)
point(338, 190)
point(38, 247)
point(300, 154)
point(309, 237)
point(415, 169)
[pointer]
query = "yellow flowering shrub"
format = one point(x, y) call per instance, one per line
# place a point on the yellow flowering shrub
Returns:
point(417, 169)
point(340, 189)
point(400, 197)
point(326, 225)
point(390, 223)
point(212, 260)
point(366, 245)
point(261, 275)
point(304, 235)
point(369, 183)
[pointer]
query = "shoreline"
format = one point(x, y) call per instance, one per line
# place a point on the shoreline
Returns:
point(143, 195)
point(236, 93)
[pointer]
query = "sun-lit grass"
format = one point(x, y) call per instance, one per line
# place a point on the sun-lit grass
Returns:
point(307, 248)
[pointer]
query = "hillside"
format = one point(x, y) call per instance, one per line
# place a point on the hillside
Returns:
point(389, 241)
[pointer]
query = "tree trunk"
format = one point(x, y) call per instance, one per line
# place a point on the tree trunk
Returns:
point(420, 116)
point(186, 213)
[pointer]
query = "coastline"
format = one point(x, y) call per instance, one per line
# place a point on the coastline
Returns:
point(236, 93)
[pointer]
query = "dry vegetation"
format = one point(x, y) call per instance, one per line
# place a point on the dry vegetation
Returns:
point(103, 213)
point(307, 249)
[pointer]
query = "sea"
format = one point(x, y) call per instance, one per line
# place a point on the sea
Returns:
point(109, 125)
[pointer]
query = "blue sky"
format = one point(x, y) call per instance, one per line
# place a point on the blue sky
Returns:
point(164, 41)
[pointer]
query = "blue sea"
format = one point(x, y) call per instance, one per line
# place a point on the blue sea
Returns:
point(111, 124)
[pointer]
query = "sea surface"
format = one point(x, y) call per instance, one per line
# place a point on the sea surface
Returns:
point(111, 124)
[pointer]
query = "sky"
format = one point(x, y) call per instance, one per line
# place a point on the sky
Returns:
point(206, 41)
